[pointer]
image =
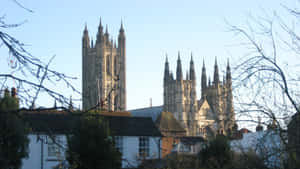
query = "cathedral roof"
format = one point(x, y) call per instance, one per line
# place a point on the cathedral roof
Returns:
point(152, 112)
point(166, 122)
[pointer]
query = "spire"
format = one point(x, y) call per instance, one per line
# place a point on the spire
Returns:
point(179, 69)
point(167, 71)
point(85, 30)
point(216, 73)
point(121, 28)
point(192, 69)
point(100, 27)
point(228, 72)
point(203, 80)
point(106, 35)
point(85, 38)
point(121, 32)
point(100, 24)
point(99, 33)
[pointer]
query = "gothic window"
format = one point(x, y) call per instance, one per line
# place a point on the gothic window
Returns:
point(116, 65)
point(107, 64)
point(144, 146)
point(116, 102)
point(119, 143)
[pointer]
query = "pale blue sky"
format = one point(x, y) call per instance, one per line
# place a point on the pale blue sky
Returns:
point(153, 28)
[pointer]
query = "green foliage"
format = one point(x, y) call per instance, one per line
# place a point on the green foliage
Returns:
point(217, 154)
point(181, 161)
point(13, 134)
point(90, 146)
point(249, 160)
point(8, 103)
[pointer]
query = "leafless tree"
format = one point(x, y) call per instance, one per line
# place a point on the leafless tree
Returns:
point(267, 77)
point(30, 75)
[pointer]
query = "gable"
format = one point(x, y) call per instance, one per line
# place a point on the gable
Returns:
point(205, 111)
point(167, 122)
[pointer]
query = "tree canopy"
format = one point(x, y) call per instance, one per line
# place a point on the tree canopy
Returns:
point(13, 134)
point(91, 146)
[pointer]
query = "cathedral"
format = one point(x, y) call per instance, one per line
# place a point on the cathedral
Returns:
point(104, 87)
point(210, 115)
point(104, 71)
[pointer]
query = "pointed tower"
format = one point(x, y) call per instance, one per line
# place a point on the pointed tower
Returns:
point(104, 71)
point(85, 65)
point(100, 36)
point(193, 95)
point(216, 74)
point(167, 78)
point(229, 98)
point(167, 71)
point(85, 38)
point(228, 74)
point(192, 70)
point(179, 69)
point(122, 68)
point(203, 81)
point(106, 36)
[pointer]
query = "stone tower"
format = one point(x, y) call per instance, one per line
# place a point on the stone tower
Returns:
point(104, 71)
point(219, 96)
point(180, 96)
point(213, 112)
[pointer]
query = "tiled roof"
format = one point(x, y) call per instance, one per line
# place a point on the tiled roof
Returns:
point(132, 126)
point(64, 122)
point(167, 122)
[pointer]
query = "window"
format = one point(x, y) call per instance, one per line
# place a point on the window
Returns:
point(144, 146)
point(108, 64)
point(119, 143)
point(53, 146)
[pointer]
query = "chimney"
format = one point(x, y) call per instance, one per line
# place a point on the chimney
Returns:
point(14, 92)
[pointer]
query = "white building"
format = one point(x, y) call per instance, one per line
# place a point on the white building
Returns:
point(137, 139)
point(189, 145)
point(266, 144)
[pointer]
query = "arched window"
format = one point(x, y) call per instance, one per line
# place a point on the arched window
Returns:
point(108, 64)
point(116, 65)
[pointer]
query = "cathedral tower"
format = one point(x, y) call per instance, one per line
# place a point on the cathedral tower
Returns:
point(104, 71)
point(213, 113)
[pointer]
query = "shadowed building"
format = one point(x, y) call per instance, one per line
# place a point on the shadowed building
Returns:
point(294, 140)
point(171, 131)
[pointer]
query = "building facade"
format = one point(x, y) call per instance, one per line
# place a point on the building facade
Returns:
point(104, 71)
point(136, 138)
point(213, 113)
